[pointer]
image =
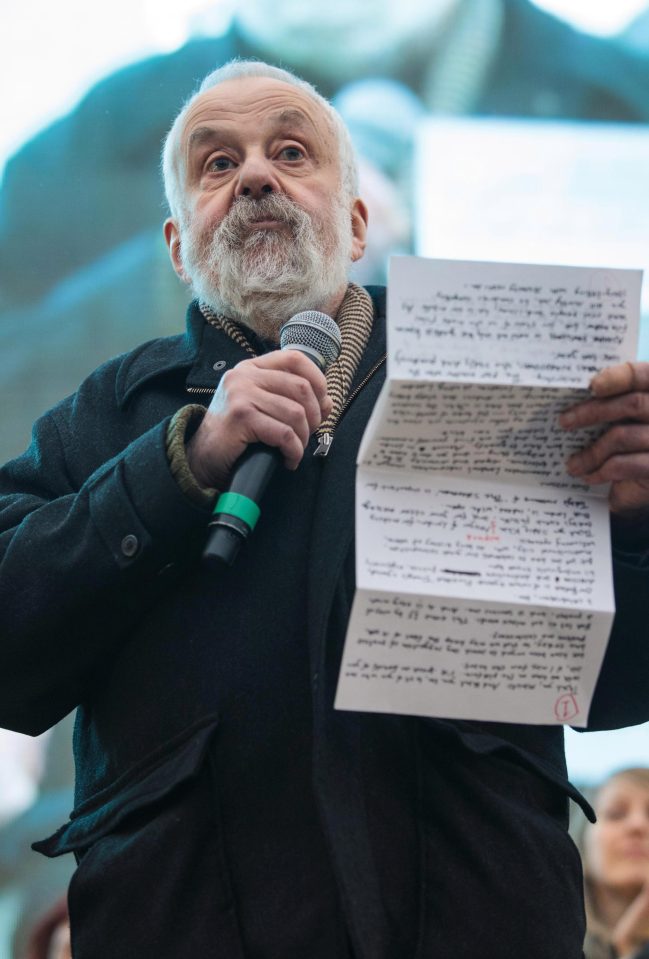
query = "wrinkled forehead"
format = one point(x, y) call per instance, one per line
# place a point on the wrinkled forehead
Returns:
point(257, 104)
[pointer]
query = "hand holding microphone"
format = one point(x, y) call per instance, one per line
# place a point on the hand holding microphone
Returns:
point(263, 412)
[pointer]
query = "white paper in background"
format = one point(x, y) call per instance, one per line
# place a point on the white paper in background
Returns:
point(539, 191)
point(466, 522)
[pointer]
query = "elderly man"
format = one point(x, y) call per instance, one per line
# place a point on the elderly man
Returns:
point(223, 808)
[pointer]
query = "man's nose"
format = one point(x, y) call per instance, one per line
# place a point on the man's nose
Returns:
point(256, 178)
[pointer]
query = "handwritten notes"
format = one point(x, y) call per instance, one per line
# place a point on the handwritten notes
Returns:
point(505, 544)
point(483, 569)
point(427, 427)
point(502, 323)
point(424, 656)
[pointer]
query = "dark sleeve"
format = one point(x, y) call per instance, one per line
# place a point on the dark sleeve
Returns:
point(80, 560)
point(621, 696)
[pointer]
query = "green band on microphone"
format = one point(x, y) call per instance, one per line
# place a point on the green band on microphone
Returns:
point(240, 506)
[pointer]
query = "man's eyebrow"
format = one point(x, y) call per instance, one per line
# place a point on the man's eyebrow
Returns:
point(295, 118)
point(200, 136)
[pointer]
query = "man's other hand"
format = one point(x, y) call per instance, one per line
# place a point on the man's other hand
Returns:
point(278, 399)
point(621, 454)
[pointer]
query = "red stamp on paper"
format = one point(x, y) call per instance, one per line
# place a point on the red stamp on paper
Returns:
point(566, 708)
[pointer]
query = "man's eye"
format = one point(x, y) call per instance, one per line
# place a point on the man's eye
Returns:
point(291, 153)
point(220, 164)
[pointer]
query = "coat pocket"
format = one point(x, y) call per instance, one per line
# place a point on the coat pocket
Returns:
point(478, 740)
point(152, 880)
point(493, 827)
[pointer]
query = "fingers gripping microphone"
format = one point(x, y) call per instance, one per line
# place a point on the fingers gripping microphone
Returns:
point(237, 511)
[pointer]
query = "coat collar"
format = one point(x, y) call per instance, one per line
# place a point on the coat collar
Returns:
point(203, 351)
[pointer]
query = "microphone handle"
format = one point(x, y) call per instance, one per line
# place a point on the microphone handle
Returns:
point(236, 510)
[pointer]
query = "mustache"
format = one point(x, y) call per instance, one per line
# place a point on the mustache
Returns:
point(245, 212)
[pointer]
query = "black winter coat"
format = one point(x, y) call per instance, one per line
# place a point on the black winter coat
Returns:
point(404, 836)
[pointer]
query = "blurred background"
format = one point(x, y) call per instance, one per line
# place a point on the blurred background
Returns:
point(486, 129)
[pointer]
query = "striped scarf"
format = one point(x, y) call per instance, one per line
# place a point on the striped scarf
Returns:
point(354, 319)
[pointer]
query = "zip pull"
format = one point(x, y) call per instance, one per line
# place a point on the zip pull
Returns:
point(324, 444)
point(326, 438)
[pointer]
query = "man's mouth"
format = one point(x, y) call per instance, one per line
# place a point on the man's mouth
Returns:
point(266, 223)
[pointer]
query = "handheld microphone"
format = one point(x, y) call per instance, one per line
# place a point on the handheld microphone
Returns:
point(236, 511)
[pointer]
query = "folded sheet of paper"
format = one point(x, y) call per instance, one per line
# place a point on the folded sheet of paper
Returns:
point(484, 580)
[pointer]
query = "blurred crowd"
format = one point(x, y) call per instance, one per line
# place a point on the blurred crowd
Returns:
point(84, 274)
point(615, 855)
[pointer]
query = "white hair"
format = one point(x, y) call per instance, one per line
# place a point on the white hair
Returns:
point(242, 69)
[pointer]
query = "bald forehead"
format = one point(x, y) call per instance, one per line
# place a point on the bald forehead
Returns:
point(264, 100)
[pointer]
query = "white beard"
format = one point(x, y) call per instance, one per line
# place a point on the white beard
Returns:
point(263, 277)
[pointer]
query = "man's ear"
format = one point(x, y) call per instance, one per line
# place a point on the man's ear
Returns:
point(359, 229)
point(172, 239)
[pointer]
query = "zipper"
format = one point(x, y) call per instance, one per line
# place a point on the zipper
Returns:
point(204, 390)
point(326, 437)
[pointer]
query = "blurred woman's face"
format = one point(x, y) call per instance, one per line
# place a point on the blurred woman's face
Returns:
point(617, 846)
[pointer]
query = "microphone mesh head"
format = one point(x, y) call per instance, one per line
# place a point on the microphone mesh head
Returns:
point(314, 330)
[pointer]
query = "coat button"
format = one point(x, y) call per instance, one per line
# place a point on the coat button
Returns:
point(130, 545)
point(219, 365)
